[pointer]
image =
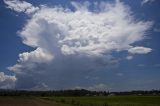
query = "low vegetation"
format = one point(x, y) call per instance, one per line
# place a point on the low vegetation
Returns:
point(108, 100)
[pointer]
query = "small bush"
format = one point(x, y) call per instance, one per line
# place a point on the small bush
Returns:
point(72, 101)
point(62, 101)
point(105, 104)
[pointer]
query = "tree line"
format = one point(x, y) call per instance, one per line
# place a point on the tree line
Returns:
point(77, 92)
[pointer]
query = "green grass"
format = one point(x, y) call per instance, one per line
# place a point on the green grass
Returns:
point(108, 101)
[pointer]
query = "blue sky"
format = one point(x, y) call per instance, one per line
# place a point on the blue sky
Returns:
point(67, 44)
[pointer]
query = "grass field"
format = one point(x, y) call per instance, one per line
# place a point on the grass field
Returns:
point(108, 101)
point(80, 101)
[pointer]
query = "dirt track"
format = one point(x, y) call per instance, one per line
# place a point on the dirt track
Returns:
point(26, 101)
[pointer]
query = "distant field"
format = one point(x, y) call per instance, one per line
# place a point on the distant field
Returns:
point(108, 101)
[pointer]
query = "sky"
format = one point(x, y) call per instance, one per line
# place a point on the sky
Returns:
point(109, 45)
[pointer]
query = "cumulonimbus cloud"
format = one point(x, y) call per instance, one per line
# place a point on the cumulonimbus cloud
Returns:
point(77, 37)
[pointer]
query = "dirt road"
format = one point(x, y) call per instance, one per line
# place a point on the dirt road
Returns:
point(26, 101)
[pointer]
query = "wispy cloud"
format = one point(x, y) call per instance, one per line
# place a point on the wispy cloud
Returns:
point(146, 1)
point(129, 57)
point(139, 50)
point(96, 87)
point(156, 29)
point(120, 74)
point(141, 65)
point(156, 65)
point(21, 6)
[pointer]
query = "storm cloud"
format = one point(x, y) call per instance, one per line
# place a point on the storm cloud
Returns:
point(71, 44)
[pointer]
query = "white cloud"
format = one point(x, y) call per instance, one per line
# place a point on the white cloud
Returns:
point(84, 32)
point(156, 29)
point(141, 65)
point(21, 6)
point(29, 60)
point(99, 87)
point(156, 65)
point(7, 81)
point(129, 57)
point(120, 74)
point(40, 87)
point(72, 41)
point(139, 50)
point(96, 87)
point(146, 1)
point(37, 56)
point(16, 68)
